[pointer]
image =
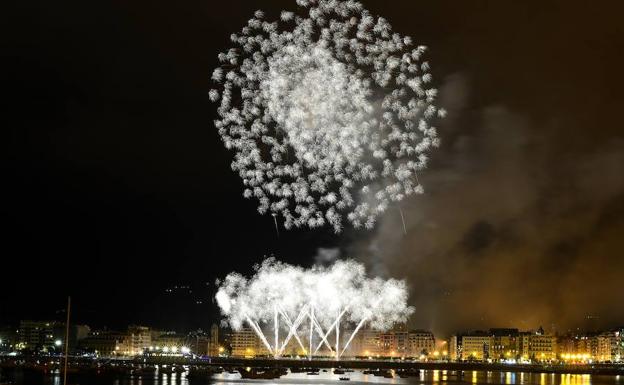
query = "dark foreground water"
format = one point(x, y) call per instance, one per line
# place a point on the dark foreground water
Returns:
point(356, 378)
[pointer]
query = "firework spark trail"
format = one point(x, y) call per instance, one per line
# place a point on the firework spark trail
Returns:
point(336, 325)
point(403, 221)
point(292, 328)
point(328, 112)
point(276, 225)
point(328, 298)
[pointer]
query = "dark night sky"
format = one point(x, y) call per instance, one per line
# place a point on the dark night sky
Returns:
point(116, 186)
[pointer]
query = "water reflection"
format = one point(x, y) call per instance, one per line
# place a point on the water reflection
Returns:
point(433, 377)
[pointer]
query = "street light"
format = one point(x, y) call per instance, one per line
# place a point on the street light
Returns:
point(58, 343)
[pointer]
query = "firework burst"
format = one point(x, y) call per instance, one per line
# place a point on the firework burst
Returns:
point(288, 299)
point(328, 113)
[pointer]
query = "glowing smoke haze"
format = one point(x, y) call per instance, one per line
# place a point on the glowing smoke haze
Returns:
point(328, 112)
point(311, 306)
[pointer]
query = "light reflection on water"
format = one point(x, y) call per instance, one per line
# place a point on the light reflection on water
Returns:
point(435, 377)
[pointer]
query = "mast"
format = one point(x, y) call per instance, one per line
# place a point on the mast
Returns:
point(66, 339)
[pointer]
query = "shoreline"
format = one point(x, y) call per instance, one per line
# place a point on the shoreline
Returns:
point(593, 369)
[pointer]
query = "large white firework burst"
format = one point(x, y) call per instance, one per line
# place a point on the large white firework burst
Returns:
point(285, 299)
point(328, 112)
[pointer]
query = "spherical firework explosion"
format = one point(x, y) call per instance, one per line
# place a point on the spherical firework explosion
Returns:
point(287, 298)
point(328, 113)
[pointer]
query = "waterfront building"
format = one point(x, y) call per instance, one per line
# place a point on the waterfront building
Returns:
point(170, 340)
point(476, 346)
point(504, 344)
point(610, 346)
point(36, 334)
point(617, 345)
point(367, 343)
point(397, 342)
point(581, 347)
point(604, 347)
point(245, 343)
point(104, 343)
point(214, 348)
point(455, 347)
point(538, 346)
point(137, 340)
point(421, 342)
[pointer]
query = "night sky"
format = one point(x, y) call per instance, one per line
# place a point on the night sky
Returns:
point(116, 188)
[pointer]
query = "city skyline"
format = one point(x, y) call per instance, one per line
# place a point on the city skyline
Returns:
point(119, 193)
point(506, 345)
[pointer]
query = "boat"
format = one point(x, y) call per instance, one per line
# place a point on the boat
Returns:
point(388, 375)
point(405, 373)
point(339, 371)
point(379, 373)
point(198, 373)
point(165, 370)
point(344, 379)
point(145, 371)
point(312, 373)
point(255, 374)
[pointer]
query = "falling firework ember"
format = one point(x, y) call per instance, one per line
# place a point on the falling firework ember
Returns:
point(328, 112)
point(311, 306)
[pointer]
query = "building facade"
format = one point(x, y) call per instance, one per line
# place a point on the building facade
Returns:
point(38, 334)
point(541, 346)
point(136, 341)
point(245, 343)
point(103, 343)
point(421, 342)
point(397, 342)
point(476, 346)
point(214, 346)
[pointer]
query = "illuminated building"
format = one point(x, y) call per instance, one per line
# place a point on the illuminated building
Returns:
point(617, 345)
point(45, 335)
point(578, 348)
point(170, 339)
point(37, 334)
point(611, 346)
point(504, 344)
point(397, 342)
point(214, 344)
point(135, 342)
point(246, 343)
point(455, 347)
point(367, 343)
point(421, 342)
point(102, 343)
point(538, 346)
point(476, 346)
point(8, 337)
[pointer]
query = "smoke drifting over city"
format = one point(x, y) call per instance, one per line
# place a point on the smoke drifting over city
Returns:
point(514, 231)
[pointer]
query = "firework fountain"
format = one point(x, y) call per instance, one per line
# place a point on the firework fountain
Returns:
point(311, 306)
